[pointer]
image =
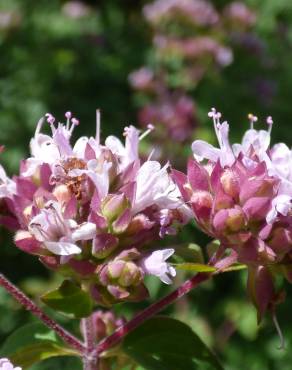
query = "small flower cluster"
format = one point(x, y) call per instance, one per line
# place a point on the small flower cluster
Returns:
point(191, 39)
point(5, 364)
point(241, 195)
point(89, 210)
point(198, 12)
point(103, 324)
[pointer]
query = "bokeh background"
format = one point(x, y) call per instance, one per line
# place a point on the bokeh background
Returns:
point(165, 62)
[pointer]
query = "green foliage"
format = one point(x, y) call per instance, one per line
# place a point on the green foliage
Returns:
point(33, 343)
point(194, 267)
point(69, 298)
point(163, 343)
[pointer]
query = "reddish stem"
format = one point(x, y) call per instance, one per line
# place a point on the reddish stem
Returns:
point(35, 310)
point(150, 311)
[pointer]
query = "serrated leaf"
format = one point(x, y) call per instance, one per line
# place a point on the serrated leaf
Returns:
point(69, 298)
point(33, 343)
point(165, 343)
point(195, 267)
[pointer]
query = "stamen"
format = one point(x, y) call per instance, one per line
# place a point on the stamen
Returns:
point(50, 118)
point(151, 154)
point(270, 122)
point(150, 128)
point(252, 119)
point(39, 126)
point(97, 134)
point(40, 230)
point(216, 122)
point(279, 331)
point(75, 122)
point(68, 115)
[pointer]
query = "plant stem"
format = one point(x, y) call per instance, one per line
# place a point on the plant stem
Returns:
point(89, 358)
point(150, 311)
point(36, 311)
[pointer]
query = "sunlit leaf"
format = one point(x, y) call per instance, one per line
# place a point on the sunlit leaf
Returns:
point(33, 343)
point(195, 267)
point(69, 298)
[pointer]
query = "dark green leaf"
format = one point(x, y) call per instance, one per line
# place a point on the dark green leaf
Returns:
point(163, 343)
point(69, 298)
point(33, 343)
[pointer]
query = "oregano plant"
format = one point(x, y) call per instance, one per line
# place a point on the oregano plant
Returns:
point(93, 211)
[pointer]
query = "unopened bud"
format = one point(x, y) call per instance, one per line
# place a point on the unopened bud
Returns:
point(229, 183)
point(114, 205)
point(202, 202)
point(131, 275)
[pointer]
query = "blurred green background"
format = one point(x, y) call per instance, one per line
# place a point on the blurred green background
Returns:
point(82, 55)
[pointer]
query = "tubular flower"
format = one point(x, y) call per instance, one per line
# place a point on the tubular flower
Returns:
point(90, 210)
point(239, 195)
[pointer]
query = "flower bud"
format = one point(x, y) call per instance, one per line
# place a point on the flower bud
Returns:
point(103, 245)
point(113, 206)
point(229, 220)
point(229, 182)
point(257, 208)
point(202, 202)
point(256, 187)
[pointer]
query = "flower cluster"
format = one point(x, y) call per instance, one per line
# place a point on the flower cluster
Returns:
point(241, 195)
point(5, 364)
point(90, 210)
point(191, 39)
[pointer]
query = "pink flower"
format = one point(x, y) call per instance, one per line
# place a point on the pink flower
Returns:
point(89, 210)
point(239, 195)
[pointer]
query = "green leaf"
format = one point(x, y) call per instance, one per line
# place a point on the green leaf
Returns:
point(69, 298)
point(33, 343)
point(196, 267)
point(191, 252)
point(235, 267)
point(165, 343)
point(212, 247)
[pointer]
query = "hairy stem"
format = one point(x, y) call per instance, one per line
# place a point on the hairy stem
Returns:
point(150, 311)
point(90, 359)
point(29, 305)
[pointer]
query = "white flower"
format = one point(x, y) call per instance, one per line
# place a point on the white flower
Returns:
point(98, 172)
point(5, 364)
point(156, 265)
point(7, 186)
point(59, 235)
point(127, 153)
point(155, 187)
point(203, 150)
point(258, 141)
point(280, 204)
